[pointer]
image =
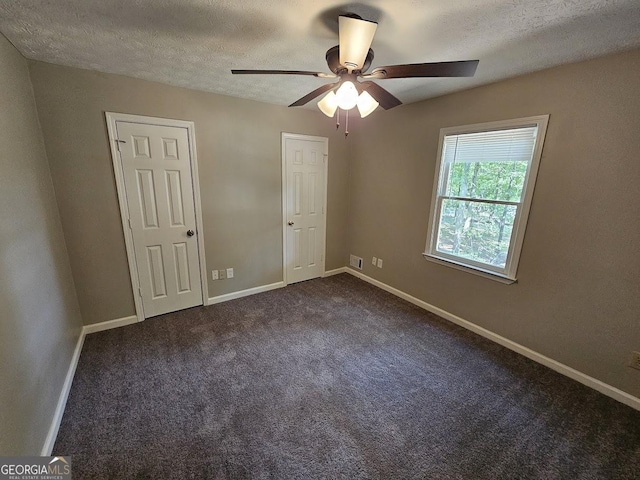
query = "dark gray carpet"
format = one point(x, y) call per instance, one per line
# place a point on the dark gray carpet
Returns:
point(331, 378)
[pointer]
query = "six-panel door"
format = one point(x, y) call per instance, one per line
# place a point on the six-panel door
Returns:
point(157, 173)
point(304, 163)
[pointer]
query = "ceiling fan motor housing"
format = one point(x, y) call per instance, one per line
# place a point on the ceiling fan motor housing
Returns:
point(333, 61)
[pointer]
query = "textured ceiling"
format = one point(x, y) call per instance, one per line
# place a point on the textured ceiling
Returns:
point(195, 43)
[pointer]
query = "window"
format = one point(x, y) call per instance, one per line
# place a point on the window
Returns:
point(484, 182)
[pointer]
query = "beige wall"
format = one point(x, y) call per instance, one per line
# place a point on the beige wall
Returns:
point(39, 315)
point(238, 146)
point(577, 299)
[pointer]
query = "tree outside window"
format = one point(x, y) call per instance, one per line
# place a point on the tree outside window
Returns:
point(484, 184)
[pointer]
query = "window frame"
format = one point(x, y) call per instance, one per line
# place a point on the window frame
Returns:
point(508, 273)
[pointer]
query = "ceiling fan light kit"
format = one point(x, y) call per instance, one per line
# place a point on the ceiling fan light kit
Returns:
point(347, 95)
point(350, 60)
point(329, 104)
point(366, 104)
point(347, 98)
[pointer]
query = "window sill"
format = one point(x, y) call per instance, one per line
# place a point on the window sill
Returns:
point(473, 270)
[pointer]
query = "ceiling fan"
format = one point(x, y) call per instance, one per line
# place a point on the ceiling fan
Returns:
point(350, 60)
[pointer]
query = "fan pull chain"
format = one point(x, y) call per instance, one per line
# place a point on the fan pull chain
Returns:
point(346, 123)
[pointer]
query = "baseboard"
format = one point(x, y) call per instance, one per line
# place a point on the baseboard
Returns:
point(335, 271)
point(109, 324)
point(68, 381)
point(604, 388)
point(598, 385)
point(62, 400)
point(244, 293)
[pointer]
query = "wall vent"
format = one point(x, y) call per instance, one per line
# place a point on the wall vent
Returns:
point(355, 262)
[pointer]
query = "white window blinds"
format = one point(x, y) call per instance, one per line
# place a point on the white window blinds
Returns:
point(513, 145)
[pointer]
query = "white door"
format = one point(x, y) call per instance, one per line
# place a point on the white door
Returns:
point(159, 192)
point(304, 213)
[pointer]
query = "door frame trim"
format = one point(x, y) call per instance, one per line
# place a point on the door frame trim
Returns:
point(111, 119)
point(298, 136)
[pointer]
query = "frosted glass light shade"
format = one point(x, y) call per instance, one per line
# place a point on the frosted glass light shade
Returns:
point(329, 104)
point(347, 95)
point(366, 104)
point(356, 36)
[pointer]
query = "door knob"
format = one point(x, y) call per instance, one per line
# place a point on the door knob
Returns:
point(190, 233)
point(290, 223)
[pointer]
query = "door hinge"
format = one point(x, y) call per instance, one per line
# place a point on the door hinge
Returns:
point(129, 220)
point(140, 292)
point(118, 142)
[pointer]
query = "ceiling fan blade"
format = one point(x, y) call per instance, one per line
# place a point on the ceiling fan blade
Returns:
point(440, 69)
point(356, 36)
point(380, 95)
point(316, 93)
point(282, 72)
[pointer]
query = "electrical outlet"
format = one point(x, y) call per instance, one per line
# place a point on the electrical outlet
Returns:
point(214, 274)
point(373, 261)
point(229, 272)
point(379, 263)
point(634, 362)
point(223, 274)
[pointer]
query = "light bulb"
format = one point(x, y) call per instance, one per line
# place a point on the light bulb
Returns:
point(329, 104)
point(347, 96)
point(366, 104)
